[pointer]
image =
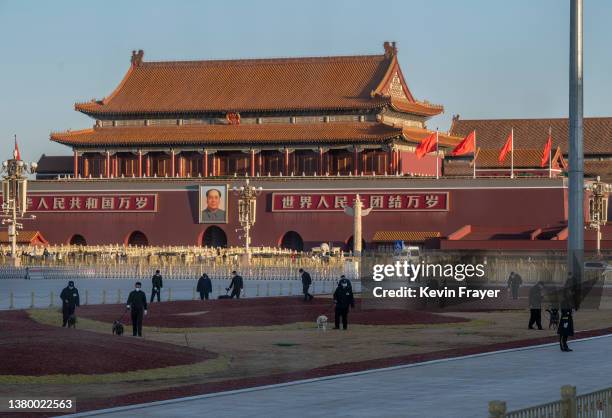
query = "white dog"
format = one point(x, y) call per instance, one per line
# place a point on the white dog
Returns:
point(322, 323)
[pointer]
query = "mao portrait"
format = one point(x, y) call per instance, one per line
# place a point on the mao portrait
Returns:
point(213, 204)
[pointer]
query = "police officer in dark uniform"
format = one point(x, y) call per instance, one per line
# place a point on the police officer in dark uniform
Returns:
point(137, 302)
point(157, 282)
point(343, 298)
point(306, 282)
point(204, 286)
point(535, 304)
point(566, 322)
point(236, 284)
point(70, 300)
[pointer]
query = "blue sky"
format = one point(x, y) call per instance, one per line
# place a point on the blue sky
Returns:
point(479, 58)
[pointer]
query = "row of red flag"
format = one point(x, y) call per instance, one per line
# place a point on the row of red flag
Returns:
point(468, 145)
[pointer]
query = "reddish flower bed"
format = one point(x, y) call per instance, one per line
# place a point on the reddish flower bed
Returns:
point(258, 312)
point(33, 349)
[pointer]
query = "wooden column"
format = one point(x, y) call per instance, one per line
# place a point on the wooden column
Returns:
point(76, 164)
point(214, 165)
point(107, 165)
point(252, 165)
point(148, 165)
point(260, 162)
point(205, 163)
point(356, 161)
point(139, 163)
point(116, 165)
point(85, 166)
point(321, 161)
point(286, 165)
point(172, 165)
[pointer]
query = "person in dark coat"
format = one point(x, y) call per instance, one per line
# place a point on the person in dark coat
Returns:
point(158, 283)
point(566, 322)
point(343, 298)
point(306, 282)
point(236, 284)
point(137, 303)
point(514, 283)
point(70, 300)
point(535, 304)
point(204, 286)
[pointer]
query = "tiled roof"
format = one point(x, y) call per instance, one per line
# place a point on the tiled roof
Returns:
point(602, 169)
point(281, 133)
point(24, 238)
point(284, 84)
point(532, 133)
point(414, 236)
point(523, 158)
point(54, 164)
point(418, 135)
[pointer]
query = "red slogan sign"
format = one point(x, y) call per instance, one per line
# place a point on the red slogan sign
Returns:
point(385, 201)
point(92, 203)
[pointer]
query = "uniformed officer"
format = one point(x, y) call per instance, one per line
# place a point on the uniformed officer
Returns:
point(70, 300)
point(566, 322)
point(204, 286)
point(137, 302)
point(343, 298)
point(157, 282)
point(306, 282)
point(514, 283)
point(535, 303)
point(236, 284)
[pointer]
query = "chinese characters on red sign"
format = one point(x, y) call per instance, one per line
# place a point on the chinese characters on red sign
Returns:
point(93, 203)
point(384, 201)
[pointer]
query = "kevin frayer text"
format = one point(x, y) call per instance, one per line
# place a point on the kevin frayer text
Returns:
point(426, 292)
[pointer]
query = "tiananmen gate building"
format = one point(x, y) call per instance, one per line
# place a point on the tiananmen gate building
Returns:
point(169, 143)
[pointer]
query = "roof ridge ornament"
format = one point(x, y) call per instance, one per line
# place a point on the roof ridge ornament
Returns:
point(390, 49)
point(137, 57)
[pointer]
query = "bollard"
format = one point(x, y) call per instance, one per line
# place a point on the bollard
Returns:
point(497, 409)
point(568, 401)
point(268, 289)
point(86, 297)
point(257, 292)
point(169, 294)
point(11, 301)
point(51, 299)
point(118, 295)
point(32, 304)
point(103, 296)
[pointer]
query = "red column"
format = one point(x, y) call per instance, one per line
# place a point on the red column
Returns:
point(85, 167)
point(214, 165)
point(252, 163)
point(205, 163)
point(286, 170)
point(76, 164)
point(107, 165)
point(321, 161)
point(172, 165)
point(116, 167)
point(148, 166)
point(139, 163)
point(355, 162)
point(260, 162)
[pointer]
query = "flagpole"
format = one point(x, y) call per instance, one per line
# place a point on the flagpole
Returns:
point(437, 157)
point(512, 153)
point(550, 153)
point(474, 158)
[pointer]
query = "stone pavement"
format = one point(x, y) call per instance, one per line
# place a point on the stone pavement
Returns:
point(456, 388)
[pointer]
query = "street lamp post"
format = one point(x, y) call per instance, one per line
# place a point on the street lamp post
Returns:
point(598, 208)
point(14, 198)
point(247, 209)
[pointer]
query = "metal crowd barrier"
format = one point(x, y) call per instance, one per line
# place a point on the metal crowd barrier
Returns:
point(590, 405)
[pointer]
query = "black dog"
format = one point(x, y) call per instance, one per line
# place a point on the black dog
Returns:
point(117, 328)
point(72, 321)
point(553, 314)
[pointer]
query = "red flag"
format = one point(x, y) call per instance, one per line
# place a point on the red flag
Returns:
point(546, 152)
point(16, 154)
point(427, 145)
point(466, 146)
point(507, 148)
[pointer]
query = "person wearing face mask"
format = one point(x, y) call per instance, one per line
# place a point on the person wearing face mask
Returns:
point(137, 302)
point(343, 298)
point(157, 283)
point(236, 285)
point(70, 300)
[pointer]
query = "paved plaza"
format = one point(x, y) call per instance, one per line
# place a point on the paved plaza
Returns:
point(459, 387)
